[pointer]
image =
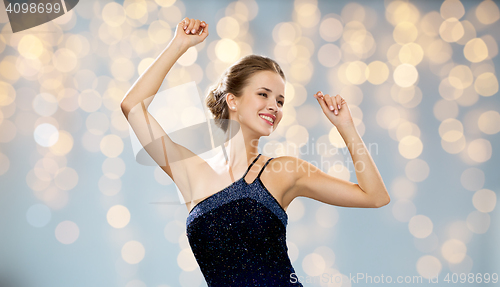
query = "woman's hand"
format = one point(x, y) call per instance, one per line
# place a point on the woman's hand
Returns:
point(188, 31)
point(335, 109)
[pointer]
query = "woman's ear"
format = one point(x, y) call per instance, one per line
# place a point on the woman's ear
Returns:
point(231, 101)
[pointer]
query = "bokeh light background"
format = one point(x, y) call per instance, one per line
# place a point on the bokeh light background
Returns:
point(419, 77)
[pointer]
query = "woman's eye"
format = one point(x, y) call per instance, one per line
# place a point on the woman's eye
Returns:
point(265, 95)
point(282, 103)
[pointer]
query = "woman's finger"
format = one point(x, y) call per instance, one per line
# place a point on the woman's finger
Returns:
point(185, 23)
point(321, 100)
point(190, 26)
point(196, 26)
point(204, 33)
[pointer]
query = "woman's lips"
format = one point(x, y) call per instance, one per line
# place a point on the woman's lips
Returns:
point(266, 121)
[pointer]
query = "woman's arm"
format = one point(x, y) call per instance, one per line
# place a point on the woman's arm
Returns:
point(144, 89)
point(313, 183)
point(177, 161)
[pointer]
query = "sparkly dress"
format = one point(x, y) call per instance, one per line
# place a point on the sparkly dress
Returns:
point(238, 236)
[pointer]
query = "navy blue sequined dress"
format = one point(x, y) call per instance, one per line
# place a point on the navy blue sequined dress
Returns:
point(238, 236)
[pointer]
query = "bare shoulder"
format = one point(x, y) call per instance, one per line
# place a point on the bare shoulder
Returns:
point(284, 172)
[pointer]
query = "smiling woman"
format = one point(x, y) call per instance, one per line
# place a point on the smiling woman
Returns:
point(237, 224)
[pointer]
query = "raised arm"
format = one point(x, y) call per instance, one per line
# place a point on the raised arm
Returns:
point(171, 157)
point(313, 183)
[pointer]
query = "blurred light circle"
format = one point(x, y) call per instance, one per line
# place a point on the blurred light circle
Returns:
point(429, 266)
point(356, 72)
point(46, 135)
point(113, 14)
point(486, 84)
point(484, 200)
point(228, 27)
point(472, 178)
point(378, 72)
point(66, 178)
point(411, 53)
point(451, 130)
point(111, 145)
point(118, 216)
point(38, 215)
point(329, 55)
point(487, 12)
point(330, 29)
point(133, 252)
point(454, 250)
point(489, 122)
point(476, 50)
point(417, 170)
point(405, 75)
point(420, 226)
point(403, 210)
point(478, 222)
point(227, 50)
point(451, 30)
point(461, 77)
point(327, 254)
point(405, 32)
point(479, 150)
point(186, 260)
point(327, 216)
point(189, 57)
point(452, 8)
point(410, 147)
point(445, 109)
point(313, 264)
point(173, 230)
point(67, 232)
point(45, 104)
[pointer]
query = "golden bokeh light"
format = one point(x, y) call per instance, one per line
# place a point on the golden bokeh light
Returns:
point(313, 264)
point(286, 33)
point(67, 232)
point(487, 12)
point(227, 50)
point(111, 145)
point(479, 150)
point(228, 27)
point(451, 130)
point(489, 122)
point(356, 72)
point(452, 9)
point(486, 84)
point(133, 252)
point(113, 14)
point(186, 260)
point(160, 32)
point(329, 55)
point(469, 32)
point(295, 210)
point(411, 53)
point(476, 50)
point(410, 147)
point(454, 250)
point(438, 51)
point(451, 30)
point(461, 77)
point(327, 216)
point(430, 23)
point(405, 75)
point(401, 11)
point(478, 222)
point(378, 72)
point(331, 29)
point(405, 32)
point(484, 200)
point(429, 266)
point(30, 47)
point(420, 226)
point(388, 117)
point(448, 91)
point(189, 57)
point(118, 216)
point(63, 145)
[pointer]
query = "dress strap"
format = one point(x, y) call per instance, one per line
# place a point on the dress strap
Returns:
point(264, 167)
point(248, 169)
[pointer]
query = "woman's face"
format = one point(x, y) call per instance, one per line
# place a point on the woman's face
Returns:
point(261, 105)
